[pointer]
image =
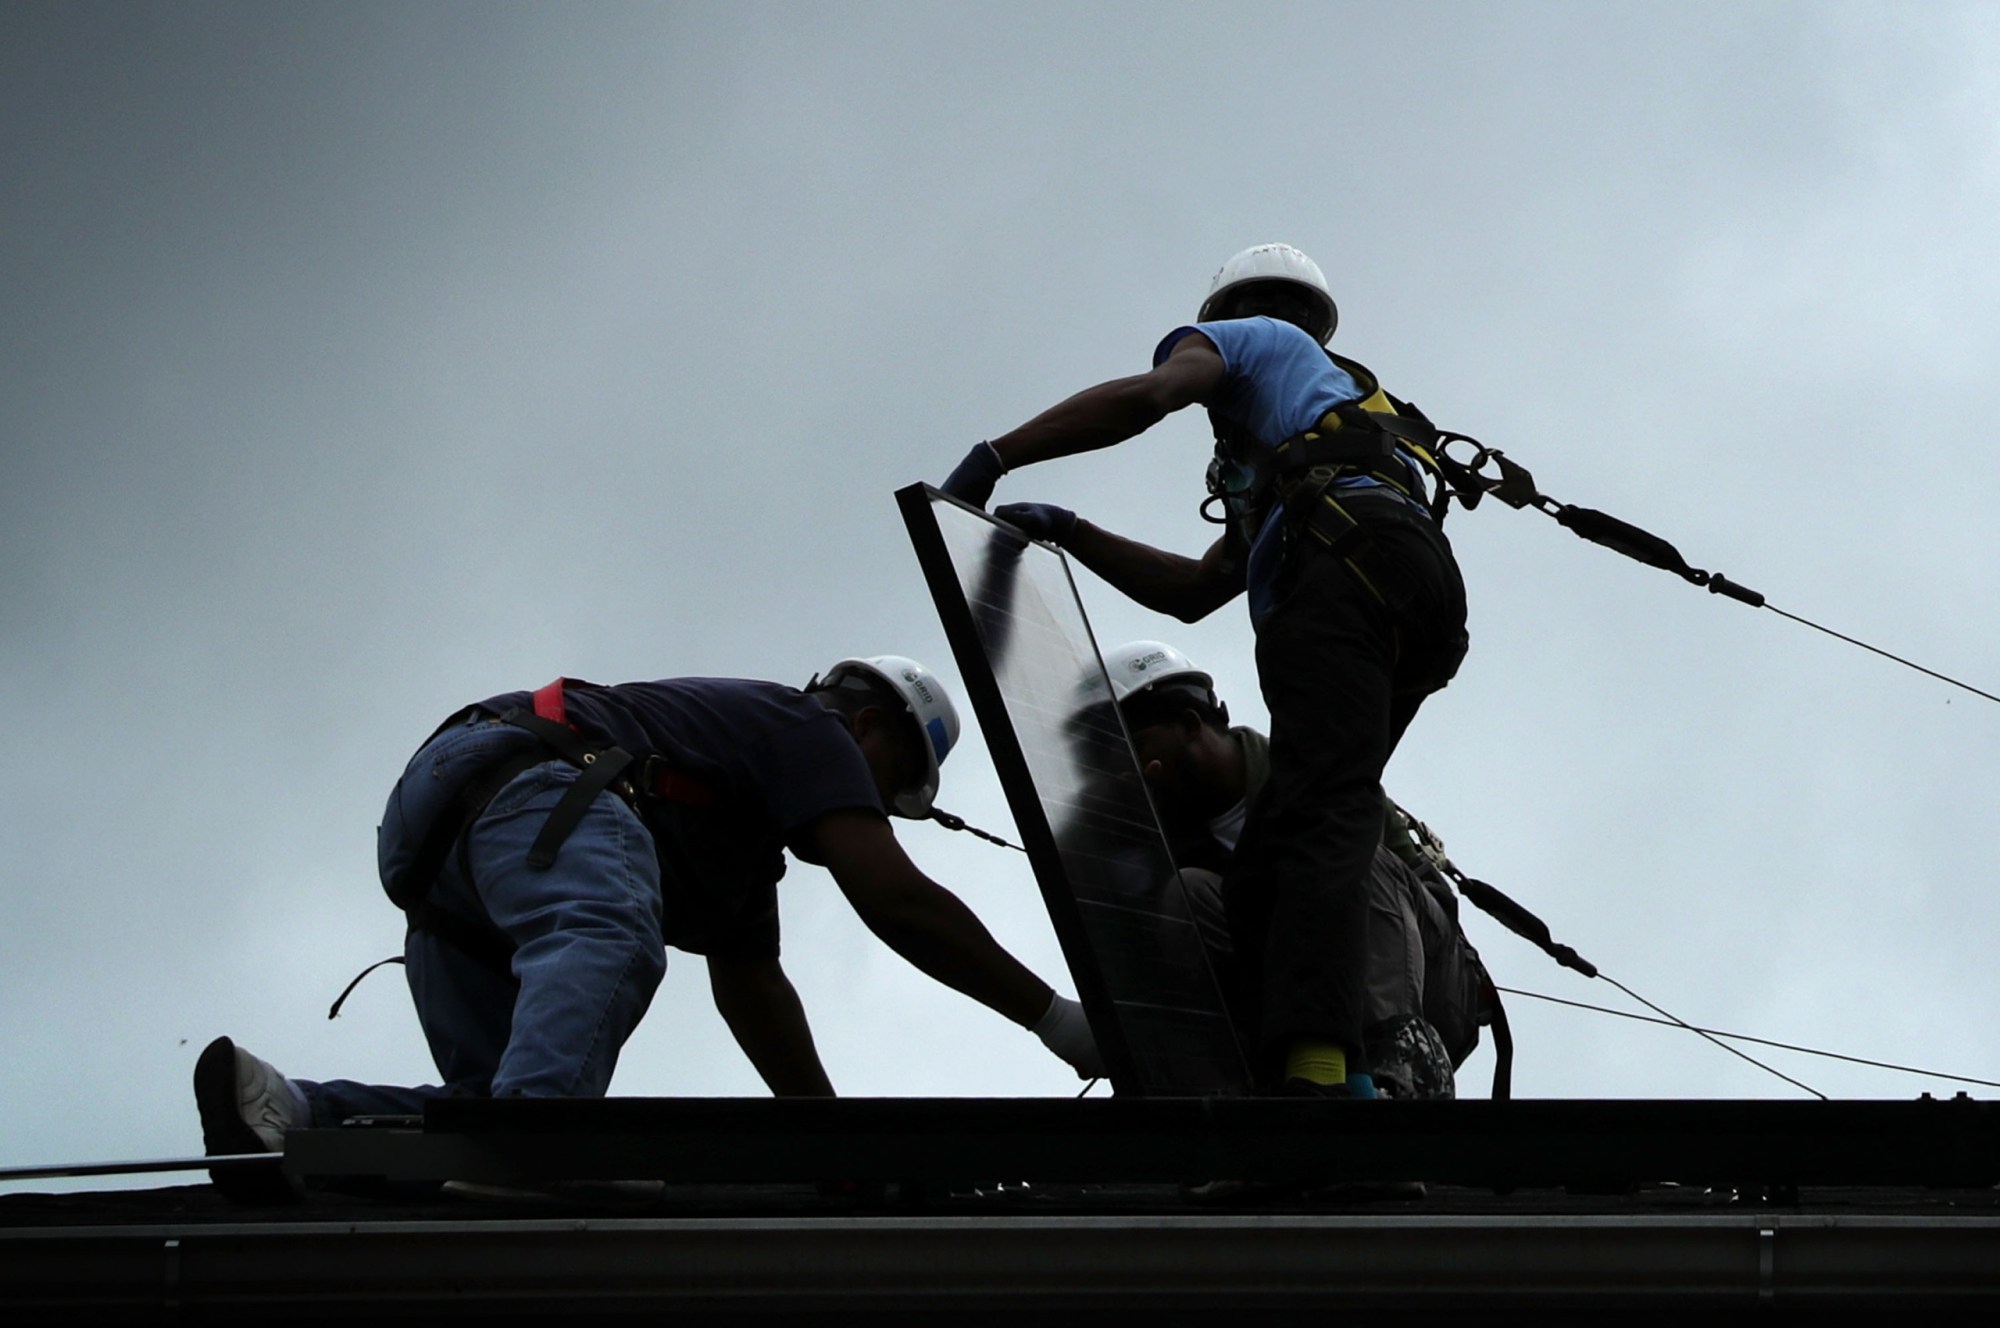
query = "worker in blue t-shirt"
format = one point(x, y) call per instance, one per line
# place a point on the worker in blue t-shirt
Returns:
point(1354, 626)
point(547, 847)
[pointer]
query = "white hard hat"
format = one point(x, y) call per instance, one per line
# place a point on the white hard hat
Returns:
point(1276, 262)
point(928, 704)
point(1138, 665)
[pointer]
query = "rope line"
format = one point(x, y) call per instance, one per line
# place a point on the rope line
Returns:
point(1906, 663)
point(1743, 1055)
point(1762, 1042)
point(1515, 486)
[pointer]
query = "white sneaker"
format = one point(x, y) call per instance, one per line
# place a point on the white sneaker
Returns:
point(246, 1106)
point(243, 1099)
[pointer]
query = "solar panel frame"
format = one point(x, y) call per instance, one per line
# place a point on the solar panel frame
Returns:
point(1107, 878)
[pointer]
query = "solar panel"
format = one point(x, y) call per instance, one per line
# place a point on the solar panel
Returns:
point(1043, 701)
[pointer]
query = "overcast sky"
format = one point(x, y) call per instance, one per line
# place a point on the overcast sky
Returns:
point(358, 361)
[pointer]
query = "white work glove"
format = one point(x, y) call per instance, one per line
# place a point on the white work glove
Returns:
point(1064, 1030)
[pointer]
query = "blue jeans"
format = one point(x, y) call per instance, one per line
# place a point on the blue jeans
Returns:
point(587, 931)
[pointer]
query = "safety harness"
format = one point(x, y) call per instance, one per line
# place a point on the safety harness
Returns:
point(607, 768)
point(1376, 437)
point(1383, 438)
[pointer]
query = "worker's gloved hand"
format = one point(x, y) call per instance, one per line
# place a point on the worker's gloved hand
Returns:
point(973, 480)
point(1064, 1030)
point(1042, 521)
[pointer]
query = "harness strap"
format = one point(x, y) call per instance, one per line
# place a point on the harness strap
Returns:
point(653, 777)
point(1317, 513)
point(1333, 525)
point(600, 771)
point(1503, 1039)
point(1379, 437)
point(482, 942)
point(1346, 538)
point(660, 780)
point(549, 702)
point(1346, 434)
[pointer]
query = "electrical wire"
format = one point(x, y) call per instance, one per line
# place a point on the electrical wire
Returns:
point(1762, 1042)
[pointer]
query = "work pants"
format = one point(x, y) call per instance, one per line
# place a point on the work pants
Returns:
point(586, 930)
point(1343, 670)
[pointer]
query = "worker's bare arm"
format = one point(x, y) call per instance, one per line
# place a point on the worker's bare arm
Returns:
point(1185, 588)
point(763, 1011)
point(1111, 412)
point(920, 919)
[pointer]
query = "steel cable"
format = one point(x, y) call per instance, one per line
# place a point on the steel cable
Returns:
point(1762, 1042)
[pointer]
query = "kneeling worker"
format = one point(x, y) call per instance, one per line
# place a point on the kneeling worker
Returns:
point(1204, 774)
point(547, 847)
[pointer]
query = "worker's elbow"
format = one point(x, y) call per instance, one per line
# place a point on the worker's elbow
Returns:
point(1194, 610)
point(1156, 398)
point(1212, 588)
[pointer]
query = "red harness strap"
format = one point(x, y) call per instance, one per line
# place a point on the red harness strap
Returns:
point(677, 787)
point(549, 702)
point(671, 785)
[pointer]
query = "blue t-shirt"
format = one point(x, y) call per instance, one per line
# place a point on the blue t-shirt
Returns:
point(1279, 382)
point(774, 759)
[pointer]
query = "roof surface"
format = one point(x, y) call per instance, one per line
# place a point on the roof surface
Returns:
point(888, 1248)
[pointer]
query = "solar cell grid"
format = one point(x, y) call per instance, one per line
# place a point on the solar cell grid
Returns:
point(1039, 691)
